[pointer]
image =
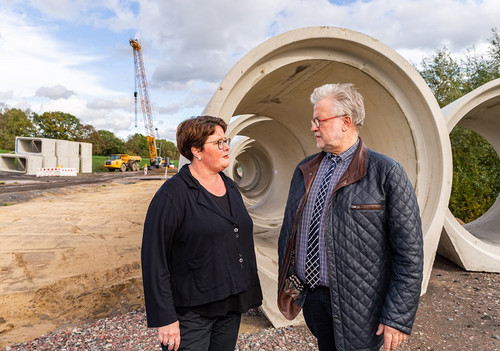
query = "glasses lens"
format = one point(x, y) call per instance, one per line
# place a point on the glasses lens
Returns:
point(221, 142)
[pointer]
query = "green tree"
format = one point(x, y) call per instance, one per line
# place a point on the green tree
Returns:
point(14, 122)
point(476, 174)
point(57, 125)
point(480, 69)
point(476, 166)
point(88, 134)
point(137, 144)
point(168, 149)
point(443, 75)
point(113, 144)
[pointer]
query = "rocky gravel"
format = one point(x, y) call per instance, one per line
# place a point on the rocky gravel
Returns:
point(460, 311)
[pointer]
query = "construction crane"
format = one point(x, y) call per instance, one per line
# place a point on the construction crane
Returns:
point(147, 111)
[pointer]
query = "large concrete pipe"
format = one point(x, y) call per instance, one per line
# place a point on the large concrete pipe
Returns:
point(475, 246)
point(266, 98)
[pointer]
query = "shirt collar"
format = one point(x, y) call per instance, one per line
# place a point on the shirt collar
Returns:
point(346, 155)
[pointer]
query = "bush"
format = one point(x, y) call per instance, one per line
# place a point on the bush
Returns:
point(476, 174)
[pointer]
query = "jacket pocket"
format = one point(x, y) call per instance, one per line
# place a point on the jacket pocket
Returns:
point(208, 273)
point(367, 207)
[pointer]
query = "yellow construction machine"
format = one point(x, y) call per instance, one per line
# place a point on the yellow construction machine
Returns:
point(123, 162)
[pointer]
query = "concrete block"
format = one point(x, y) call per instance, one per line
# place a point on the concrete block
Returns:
point(49, 162)
point(73, 149)
point(35, 146)
point(62, 148)
point(73, 162)
point(86, 164)
point(86, 150)
point(62, 161)
point(27, 164)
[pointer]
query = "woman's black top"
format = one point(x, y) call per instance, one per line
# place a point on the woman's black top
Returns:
point(196, 255)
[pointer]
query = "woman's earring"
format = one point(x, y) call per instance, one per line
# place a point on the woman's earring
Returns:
point(199, 158)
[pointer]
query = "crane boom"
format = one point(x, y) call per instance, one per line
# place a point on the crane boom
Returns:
point(147, 111)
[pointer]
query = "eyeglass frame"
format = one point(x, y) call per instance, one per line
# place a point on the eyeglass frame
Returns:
point(317, 121)
point(220, 143)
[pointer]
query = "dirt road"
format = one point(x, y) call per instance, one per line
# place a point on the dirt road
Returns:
point(72, 252)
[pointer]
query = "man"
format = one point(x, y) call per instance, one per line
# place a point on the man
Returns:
point(351, 240)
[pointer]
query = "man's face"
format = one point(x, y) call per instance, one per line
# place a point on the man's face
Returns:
point(329, 134)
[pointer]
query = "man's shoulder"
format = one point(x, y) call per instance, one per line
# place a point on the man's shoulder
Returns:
point(380, 159)
point(383, 164)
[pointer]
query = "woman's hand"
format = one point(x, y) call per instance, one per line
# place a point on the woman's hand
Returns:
point(170, 336)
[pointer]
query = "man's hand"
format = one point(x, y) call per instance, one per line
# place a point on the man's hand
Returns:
point(392, 337)
point(170, 336)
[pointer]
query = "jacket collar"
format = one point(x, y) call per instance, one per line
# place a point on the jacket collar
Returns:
point(353, 173)
point(204, 198)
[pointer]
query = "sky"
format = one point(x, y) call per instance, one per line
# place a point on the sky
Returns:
point(74, 56)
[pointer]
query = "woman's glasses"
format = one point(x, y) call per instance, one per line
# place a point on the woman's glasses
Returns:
point(220, 143)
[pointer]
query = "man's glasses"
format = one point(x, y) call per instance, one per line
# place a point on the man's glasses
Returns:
point(317, 121)
point(220, 143)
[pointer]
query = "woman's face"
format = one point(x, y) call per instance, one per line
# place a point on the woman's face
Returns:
point(213, 158)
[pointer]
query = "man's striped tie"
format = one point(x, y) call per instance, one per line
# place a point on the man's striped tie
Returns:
point(312, 258)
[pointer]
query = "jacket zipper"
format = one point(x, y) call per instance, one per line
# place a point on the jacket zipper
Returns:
point(367, 207)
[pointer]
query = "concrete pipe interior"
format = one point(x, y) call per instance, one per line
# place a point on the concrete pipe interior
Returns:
point(476, 245)
point(266, 97)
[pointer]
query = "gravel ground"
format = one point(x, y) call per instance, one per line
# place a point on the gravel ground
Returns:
point(459, 312)
point(127, 332)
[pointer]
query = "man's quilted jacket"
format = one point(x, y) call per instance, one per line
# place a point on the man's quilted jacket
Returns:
point(374, 246)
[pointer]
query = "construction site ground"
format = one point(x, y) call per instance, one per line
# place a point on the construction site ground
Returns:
point(70, 253)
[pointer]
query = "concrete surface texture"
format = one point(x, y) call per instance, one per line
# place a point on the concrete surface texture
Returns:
point(265, 100)
point(475, 246)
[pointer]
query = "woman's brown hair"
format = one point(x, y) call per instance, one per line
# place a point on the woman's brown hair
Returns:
point(194, 132)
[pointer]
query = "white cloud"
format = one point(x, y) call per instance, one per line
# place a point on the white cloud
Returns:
point(80, 47)
point(56, 92)
point(32, 58)
point(6, 95)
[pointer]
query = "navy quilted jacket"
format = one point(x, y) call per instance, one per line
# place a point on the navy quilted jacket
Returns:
point(374, 246)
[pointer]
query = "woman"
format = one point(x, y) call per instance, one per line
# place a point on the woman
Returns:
point(198, 259)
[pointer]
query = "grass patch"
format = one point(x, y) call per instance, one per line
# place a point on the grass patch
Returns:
point(98, 163)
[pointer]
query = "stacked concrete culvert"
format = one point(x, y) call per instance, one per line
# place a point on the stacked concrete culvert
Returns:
point(15, 163)
point(33, 154)
point(266, 98)
point(475, 246)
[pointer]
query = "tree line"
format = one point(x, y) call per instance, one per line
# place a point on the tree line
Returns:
point(59, 125)
point(476, 166)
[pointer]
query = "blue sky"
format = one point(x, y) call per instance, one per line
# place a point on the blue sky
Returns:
point(74, 55)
